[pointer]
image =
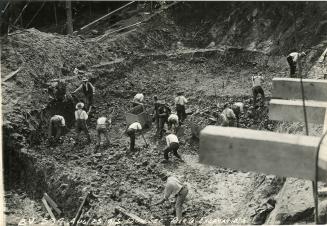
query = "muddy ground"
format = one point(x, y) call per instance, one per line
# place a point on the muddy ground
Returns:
point(120, 67)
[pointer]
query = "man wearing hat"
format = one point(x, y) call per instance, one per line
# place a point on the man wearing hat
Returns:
point(163, 114)
point(293, 59)
point(131, 132)
point(228, 116)
point(88, 90)
point(180, 102)
point(174, 188)
point(257, 81)
point(81, 117)
point(172, 146)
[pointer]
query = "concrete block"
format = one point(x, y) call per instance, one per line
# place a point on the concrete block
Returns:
point(261, 151)
point(290, 88)
point(292, 110)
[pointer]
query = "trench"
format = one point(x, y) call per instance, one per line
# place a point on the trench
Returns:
point(65, 171)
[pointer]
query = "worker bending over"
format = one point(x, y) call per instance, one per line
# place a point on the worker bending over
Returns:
point(131, 131)
point(81, 117)
point(89, 91)
point(138, 99)
point(228, 116)
point(174, 188)
point(293, 59)
point(173, 122)
point(180, 102)
point(57, 123)
point(103, 125)
point(172, 146)
point(257, 80)
point(238, 108)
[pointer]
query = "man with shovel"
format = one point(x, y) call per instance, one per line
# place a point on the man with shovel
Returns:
point(172, 146)
point(131, 131)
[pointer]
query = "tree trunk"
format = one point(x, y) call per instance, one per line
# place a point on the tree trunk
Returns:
point(69, 17)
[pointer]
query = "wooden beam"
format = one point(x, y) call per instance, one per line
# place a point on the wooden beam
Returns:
point(48, 209)
point(290, 88)
point(292, 110)
point(52, 203)
point(136, 219)
point(261, 151)
point(102, 18)
point(79, 211)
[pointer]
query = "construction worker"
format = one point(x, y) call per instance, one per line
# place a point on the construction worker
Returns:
point(238, 108)
point(103, 125)
point(57, 123)
point(180, 102)
point(172, 146)
point(228, 116)
point(138, 99)
point(164, 112)
point(174, 188)
point(81, 117)
point(88, 90)
point(256, 88)
point(57, 89)
point(156, 105)
point(173, 122)
point(293, 59)
point(131, 131)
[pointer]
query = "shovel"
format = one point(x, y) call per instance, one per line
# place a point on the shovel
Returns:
point(146, 144)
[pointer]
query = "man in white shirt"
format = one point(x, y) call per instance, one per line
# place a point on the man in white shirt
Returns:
point(138, 99)
point(81, 117)
point(174, 188)
point(293, 59)
point(103, 124)
point(228, 116)
point(257, 80)
point(131, 132)
point(172, 146)
point(57, 123)
point(173, 122)
point(180, 102)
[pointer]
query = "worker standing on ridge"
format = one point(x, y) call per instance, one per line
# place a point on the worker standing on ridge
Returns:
point(88, 90)
point(173, 122)
point(256, 88)
point(228, 116)
point(103, 125)
point(180, 102)
point(293, 59)
point(57, 124)
point(131, 131)
point(238, 108)
point(156, 105)
point(172, 146)
point(164, 112)
point(174, 188)
point(81, 117)
point(138, 99)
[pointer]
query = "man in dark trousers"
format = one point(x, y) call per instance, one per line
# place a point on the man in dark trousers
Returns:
point(174, 188)
point(164, 112)
point(257, 81)
point(57, 124)
point(293, 59)
point(131, 132)
point(180, 102)
point(172, 146)
point(88, 90)
point(81, 117)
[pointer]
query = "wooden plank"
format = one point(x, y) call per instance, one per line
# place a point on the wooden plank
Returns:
point(79, 211)
point(52, 203)
point(292, 110)
point(290, 88)
point(11, 74)
point(48, 209)
point(135, 218)
point(261, 151)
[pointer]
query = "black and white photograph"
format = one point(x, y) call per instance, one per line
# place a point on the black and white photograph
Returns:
point(163, 113)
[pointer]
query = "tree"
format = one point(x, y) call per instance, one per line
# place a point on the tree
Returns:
point(69, 23)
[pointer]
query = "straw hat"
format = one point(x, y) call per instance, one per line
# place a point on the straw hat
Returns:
point(84, 79)
point(79, 105)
